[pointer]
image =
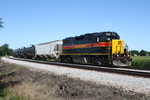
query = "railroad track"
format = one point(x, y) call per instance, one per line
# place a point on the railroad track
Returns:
point(125, 71)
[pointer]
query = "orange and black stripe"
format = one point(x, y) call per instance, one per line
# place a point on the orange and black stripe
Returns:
point(100, 44)
point(85, 54)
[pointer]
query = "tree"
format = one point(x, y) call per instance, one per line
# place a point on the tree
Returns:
point(143, 53)
point(1, 26)
point(134, 52)
point(4, 50)
point(10, 52)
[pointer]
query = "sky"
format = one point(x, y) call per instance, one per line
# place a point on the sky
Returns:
point(29, 22)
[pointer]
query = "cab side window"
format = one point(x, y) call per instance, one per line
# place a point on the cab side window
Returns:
point(97, 39)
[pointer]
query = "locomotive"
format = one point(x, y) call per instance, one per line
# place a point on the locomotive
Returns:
point(100, 48)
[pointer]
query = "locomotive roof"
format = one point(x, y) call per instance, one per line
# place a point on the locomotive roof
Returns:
point(49, 42)
point(95, 34)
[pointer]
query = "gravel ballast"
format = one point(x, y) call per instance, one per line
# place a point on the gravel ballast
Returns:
point(127, 83)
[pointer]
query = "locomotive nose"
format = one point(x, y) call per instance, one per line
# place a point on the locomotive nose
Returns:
point(117, 46)
point(120, 54)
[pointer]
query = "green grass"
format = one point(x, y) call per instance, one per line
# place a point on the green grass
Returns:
point(15, 98)
point(3, 92)
point(50, 60)
point(141, 61)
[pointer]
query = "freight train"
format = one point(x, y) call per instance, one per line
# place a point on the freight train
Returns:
point(100, 48)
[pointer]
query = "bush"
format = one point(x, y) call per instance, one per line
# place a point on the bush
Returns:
point(4, 50)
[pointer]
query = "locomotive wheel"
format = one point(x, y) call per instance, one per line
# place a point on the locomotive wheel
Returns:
point(69, 60)
point(100, 61)
point(59, 59)
point(121, 63)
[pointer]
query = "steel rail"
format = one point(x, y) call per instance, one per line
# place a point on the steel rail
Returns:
point(124, 71)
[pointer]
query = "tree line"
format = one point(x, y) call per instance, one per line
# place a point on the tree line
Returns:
point(139, 53)
point(5, 50)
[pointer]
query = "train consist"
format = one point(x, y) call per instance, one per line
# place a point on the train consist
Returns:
point(101, 48)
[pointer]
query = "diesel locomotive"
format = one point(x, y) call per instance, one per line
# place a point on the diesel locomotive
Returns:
point(100, 48)
point(104, 48)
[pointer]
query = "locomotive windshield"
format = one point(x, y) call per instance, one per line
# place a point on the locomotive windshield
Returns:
point(107, 37)
point(110, 36)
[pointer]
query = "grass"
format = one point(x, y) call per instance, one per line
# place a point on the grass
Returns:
point(50, 60)
point(141, 61)
point(3, 92)
point(17, 97)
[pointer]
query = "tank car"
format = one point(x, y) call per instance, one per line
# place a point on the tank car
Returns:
point(29, 52)
point(25, 52)
point(21, 52)
point(16, 53)
point(102, 48)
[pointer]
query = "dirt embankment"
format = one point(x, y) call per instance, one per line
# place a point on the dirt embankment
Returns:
point(31, 84)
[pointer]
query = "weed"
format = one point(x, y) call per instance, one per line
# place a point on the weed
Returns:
point(3, 92)
point(124, 99)
point(15, 98)
point(50, 60)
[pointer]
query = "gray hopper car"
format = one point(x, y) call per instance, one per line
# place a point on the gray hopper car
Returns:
point(47, 50)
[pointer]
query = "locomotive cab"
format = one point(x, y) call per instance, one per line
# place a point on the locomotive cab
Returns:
point(117, 53)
